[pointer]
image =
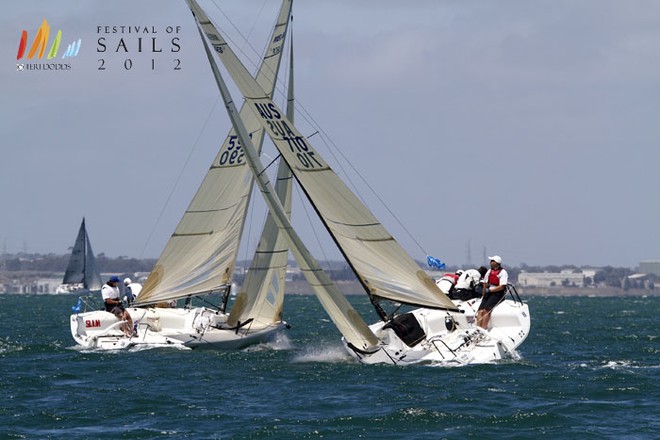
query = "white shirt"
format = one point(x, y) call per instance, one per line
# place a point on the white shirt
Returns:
point(468, 279)
point(135, 289)
point(109, 292)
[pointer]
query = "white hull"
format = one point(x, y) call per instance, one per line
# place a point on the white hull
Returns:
point(197, 327)
point(78, 289)
point(440, 341)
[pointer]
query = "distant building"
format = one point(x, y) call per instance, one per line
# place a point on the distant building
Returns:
point(650, 267)
point(35, 286)
point(551, 279)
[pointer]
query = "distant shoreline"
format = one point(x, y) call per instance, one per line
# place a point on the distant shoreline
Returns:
point(301, 287)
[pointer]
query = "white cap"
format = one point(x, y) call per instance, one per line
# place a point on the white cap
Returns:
point(496, 258)
point(127, 281)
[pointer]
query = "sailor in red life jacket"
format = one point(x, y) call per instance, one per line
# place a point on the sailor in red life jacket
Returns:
point(495, 282)
point(448, 281)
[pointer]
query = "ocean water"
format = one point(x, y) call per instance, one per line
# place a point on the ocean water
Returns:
point(590, 370)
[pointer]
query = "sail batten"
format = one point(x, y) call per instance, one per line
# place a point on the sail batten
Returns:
point(192, 234)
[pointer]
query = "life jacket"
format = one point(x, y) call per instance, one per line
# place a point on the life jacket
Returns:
point(447, 282)
point(493, 277)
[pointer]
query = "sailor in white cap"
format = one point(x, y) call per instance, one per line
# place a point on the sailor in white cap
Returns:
point(113, 304)
point(494, 289)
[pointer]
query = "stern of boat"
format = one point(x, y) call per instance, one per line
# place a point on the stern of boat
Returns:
point(89, 328)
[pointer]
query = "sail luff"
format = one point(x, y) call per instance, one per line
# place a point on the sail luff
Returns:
point(380, 262)
point(347, 320)
point(201, 253)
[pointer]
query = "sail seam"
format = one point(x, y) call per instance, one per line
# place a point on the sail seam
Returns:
point(192, 234)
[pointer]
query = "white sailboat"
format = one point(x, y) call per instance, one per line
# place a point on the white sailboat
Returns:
point(439, 329)
point(82, 275)
point(200, 256)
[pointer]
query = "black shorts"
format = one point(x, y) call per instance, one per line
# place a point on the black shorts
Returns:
point(491, 300)
point(464, 294)
point(112, 308)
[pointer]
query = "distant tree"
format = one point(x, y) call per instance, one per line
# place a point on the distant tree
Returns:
point(625, 283)
point(513, 274)
point(612, 277)
point(13, 264)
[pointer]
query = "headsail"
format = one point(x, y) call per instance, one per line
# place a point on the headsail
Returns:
point(347, 320)
point(82, 264)
point(201, 254)
point(262, 294)
point(382, 265)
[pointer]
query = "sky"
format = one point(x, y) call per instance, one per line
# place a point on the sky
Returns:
point(528, 129)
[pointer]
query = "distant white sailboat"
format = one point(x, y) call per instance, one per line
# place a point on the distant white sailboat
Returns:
point(82, 275)
point(200, 256)
point(439, 330)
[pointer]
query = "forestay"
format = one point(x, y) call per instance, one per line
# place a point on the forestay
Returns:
point(201, 253)
point(382, 265)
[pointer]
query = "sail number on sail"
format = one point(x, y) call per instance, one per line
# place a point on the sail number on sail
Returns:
point(233, 154)
point(280, 129)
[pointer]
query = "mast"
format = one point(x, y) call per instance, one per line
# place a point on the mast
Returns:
point(84, 254)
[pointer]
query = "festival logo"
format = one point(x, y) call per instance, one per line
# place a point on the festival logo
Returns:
point(38, 48)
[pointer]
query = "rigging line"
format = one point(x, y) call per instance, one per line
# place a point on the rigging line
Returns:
point(178, 179)
point(246, 42)
point(267, 166)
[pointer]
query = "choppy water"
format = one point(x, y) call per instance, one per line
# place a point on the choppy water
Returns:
point(589, 370)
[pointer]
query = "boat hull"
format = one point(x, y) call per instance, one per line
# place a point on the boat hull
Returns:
point(193, 328)
point(438, 336)
point(74, 289)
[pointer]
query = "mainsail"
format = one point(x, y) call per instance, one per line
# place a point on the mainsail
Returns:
point(201, 253)
point(385, 269)
point(82, 264)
